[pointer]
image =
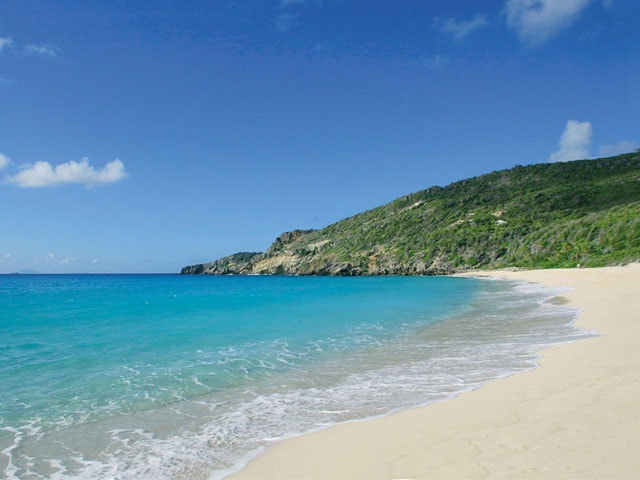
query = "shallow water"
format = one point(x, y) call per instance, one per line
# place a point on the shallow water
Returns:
point(134, 376)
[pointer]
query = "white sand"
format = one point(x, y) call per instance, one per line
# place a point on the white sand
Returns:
point(578, 416)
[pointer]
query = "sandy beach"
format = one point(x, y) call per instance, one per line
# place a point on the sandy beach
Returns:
point(577, 416)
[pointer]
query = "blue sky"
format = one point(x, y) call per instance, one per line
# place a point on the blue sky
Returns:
point(141, 136)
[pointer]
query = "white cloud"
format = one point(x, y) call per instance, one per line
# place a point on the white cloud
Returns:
point(43, 174)
point(5, 42)
point(4, 161)
point(574, 142)
point(535, 21)
point(618, 148)
point(460, 29)
point(44, 50)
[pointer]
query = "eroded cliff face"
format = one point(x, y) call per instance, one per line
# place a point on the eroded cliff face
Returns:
point(279, 259)
point(238, 263)
point(298, 253)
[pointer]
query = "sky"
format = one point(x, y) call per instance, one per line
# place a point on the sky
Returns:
point(143, 136)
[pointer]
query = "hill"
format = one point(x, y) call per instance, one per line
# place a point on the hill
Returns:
point(546, 215)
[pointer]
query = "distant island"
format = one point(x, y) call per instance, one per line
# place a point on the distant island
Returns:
point(548, 215)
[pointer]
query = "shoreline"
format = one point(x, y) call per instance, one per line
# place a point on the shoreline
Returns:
point(575, 416)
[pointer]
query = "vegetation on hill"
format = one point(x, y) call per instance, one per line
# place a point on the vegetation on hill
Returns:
point(547, 215)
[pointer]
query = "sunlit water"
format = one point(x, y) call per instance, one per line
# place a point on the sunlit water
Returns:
point(133, 376)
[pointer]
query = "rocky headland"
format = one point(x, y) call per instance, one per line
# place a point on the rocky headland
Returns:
point(547, 215)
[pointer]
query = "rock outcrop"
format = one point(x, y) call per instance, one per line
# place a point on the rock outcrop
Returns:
point(292, 254)
point(238, 263)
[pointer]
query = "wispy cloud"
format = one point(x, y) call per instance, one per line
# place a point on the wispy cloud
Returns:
point(8, 45)
point(43, 174)
point(288, 3)
point(288, 13)
point(68, 260)
point(5, 43)
point(460, 29)
point(618, 148)
point(44, 50)
point(286, 21)
point(4, 161)
point(53, 259)
point(301, 3)
point(535, 21)
point(575, 142)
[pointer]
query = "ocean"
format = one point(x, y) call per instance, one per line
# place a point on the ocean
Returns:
point(189, 377)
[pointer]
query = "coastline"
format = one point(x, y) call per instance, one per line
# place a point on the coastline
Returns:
point(575, 416)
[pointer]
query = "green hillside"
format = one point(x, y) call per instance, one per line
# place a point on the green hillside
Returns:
point(539, 216)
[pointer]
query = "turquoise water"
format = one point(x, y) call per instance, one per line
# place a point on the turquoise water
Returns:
point(164, 376)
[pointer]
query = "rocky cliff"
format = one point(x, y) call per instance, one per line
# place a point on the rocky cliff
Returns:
point(292, 253)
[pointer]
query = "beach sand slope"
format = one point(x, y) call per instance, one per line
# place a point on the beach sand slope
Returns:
point(578, 416)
